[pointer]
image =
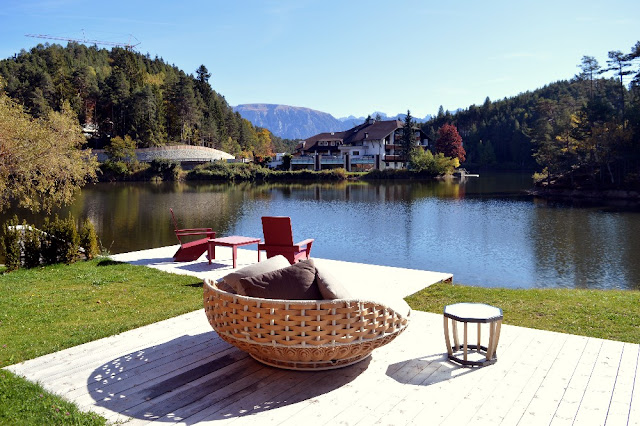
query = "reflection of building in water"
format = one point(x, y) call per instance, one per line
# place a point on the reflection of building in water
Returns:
point(368, 191)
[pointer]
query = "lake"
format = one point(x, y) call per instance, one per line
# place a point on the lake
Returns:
point(486, 230)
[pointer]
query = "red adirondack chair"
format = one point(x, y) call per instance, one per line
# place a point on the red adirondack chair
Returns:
point(278, 239)
point(191, 250)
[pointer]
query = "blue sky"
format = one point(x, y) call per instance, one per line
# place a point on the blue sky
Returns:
point(348, 57)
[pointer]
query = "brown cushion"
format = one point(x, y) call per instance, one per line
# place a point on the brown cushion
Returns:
point(296, 282)
point(222, 285)
point(330, 287)
point(268, 265)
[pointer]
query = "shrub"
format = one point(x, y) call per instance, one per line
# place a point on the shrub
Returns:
point(89, 240)
point(31, 244)
point(165, 169)
point(424, 162)
point(60, 241)
point(69, 240)
point(118, 168)
point(47, 247)
point(11, 244)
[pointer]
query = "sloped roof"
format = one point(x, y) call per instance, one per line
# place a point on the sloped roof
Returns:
point(374, 131)
point(377, 130)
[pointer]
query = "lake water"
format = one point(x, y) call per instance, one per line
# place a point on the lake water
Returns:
point(485, 230)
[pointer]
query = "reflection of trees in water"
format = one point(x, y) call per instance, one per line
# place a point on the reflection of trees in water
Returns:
point(584, 249)
point(399, 223)
point(135, 216)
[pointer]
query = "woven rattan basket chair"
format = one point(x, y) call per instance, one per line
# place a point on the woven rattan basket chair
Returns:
point(302, 334)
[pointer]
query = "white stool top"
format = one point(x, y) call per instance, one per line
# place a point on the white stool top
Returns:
point(473, 312)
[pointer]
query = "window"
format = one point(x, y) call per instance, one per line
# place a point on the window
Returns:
point(356, 153)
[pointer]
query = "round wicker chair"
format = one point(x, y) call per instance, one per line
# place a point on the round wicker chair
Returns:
point(301, 334)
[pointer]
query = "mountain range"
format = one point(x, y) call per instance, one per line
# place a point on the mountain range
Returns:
point(292, 122)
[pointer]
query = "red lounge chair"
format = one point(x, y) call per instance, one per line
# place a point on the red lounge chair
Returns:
point(191, 250)
point(278, 239)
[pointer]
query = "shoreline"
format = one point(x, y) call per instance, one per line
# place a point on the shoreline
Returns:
point(591, 194)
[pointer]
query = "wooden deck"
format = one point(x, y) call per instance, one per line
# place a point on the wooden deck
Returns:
point(180, 371)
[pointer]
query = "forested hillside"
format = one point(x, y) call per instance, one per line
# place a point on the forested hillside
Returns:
point(122, 93)
point(498, 134)
point(582, 132)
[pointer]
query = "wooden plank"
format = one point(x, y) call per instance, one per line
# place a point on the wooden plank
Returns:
point(553, 385)
point(58, 363)
point(634, 409)
point(114, 377)
point(486, 387)
point(214, 387)
point(572, 398)
point(599, 391)
point(527, 374)
point(623, 391)
point(481, 388)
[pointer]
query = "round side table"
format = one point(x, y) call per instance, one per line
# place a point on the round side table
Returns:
point(478, 313)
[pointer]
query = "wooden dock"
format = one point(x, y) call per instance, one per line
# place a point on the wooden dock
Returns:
point(180, 371)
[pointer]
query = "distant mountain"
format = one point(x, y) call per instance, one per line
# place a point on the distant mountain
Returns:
point(291, 122)
point(354, 121)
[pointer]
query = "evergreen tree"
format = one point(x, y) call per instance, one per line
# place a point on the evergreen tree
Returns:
point(589, 67)
point(619, 63)
point(407, 141)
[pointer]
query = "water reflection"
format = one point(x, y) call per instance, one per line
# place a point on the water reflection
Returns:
point(585, 248)
point(485, 231)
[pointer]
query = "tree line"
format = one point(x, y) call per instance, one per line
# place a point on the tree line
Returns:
point(577, 132)
point(120, 93)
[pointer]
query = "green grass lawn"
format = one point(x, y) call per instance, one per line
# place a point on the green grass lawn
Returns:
point(48, 309)
point(607, 314)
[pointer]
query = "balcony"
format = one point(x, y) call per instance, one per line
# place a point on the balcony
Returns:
point(365, 159)
point(302, 160)
point(388, 158)
point(331, 159)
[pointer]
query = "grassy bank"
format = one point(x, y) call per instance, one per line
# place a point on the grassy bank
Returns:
point(607, 314)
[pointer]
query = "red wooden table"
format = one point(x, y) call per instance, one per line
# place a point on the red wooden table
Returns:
point(234, 242)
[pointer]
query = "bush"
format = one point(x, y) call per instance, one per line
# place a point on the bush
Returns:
point(253, 172)
point(47, 247)
point(60, 241)
point(118, 168)
point(10, 244)
point(165, 169)
point(31, 244)
point(69, 240)
point(89, 240)
point(424, 162)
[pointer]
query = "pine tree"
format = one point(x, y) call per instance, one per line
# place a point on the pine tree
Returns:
point(407, 140)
